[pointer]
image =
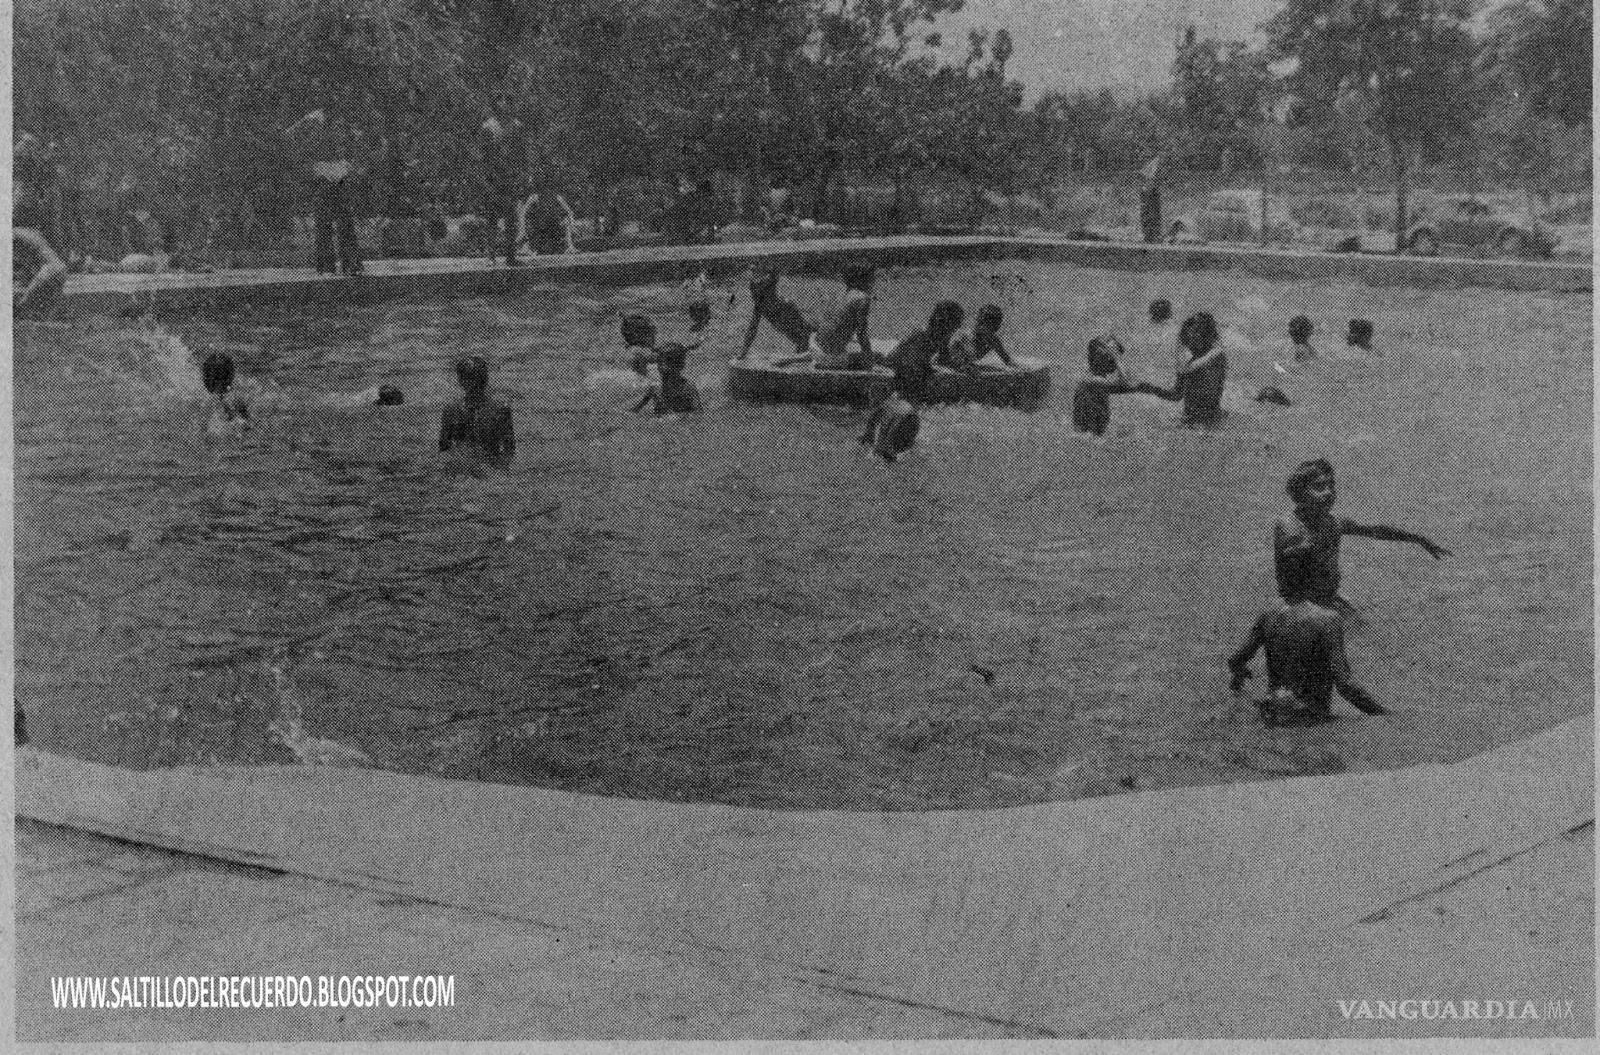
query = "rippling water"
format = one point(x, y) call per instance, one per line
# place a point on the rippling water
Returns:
point(745, 607)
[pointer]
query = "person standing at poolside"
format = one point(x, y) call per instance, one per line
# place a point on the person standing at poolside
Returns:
point(337, 246)
point(1305, 540)
point(500, 179)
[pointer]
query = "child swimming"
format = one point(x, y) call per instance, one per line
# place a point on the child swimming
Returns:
point(229, 413)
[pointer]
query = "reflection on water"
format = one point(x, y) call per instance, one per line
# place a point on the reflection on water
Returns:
point(746, 607)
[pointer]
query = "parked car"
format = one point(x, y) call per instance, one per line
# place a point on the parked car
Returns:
point(1236, 216)
point(1472, 223)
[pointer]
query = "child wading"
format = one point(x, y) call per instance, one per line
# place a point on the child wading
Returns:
point(1306, 539)
point(476, 421)
point(1306, 662)
point(1203, 375)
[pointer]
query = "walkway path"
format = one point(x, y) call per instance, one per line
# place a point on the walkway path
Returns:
point(1247, 910)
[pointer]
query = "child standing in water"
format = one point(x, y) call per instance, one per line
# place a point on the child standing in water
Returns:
point(1306, 663)
point(1305, 541)
point(1202, 377)
point(230, 415)
point(476, 421)
point(639, 335)
point(1091, 400)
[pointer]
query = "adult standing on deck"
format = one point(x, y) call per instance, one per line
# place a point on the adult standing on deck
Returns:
point(1150, 201)
point(500, 179)
point(329, 169)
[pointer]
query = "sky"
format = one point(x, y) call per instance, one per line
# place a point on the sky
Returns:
point(1126, 45)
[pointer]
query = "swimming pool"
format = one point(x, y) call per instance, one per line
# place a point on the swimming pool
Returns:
point(747, 608)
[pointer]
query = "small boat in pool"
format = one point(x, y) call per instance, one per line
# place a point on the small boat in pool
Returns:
point(1024, 388)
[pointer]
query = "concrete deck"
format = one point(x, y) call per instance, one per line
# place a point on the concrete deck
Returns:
point(1242, 911)
point(476, 277)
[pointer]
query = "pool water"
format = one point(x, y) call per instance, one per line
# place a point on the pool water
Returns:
point(747, 607)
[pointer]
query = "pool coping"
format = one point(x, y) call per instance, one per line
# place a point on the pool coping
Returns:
point(1120, 901)
point(119, 293)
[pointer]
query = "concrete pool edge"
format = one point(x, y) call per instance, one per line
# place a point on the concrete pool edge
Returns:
point(1119, 902)
point(117, 293)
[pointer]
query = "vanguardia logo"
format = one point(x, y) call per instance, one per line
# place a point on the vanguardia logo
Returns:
point(1446, 1010)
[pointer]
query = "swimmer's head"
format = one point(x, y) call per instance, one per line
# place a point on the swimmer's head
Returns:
point(1199, 333)
point(216, 373)
point(990, 317)
point(861, 278)
point(1300, 329)
point(946, 317)
point(390, 396)
point(473, 373)
point(1103, 353)
point(672, 358)
point(1313, 484)
point(1160, 310)
point(1360, 335)
point(638, 331)
point(699, 314)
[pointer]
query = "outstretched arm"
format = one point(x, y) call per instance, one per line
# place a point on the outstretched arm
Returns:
point(1394, 534)
point(644, 400)
point(1200, 362)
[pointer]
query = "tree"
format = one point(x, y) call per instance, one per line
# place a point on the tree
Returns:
point(1222, 93)
point(1401, 68)
point(1536, 64)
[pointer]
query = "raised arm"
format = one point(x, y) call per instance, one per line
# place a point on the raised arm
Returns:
point(1393, 534)
point(1200, 362)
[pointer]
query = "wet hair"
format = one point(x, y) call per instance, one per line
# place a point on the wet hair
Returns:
point(699, 313)
point(1360, 333)
point(1103, 352)
point(946, 315)
point(991, 315)
point(216, 373)
point(1160, 310)
point(1300, 329)
point(1199, 328)
point(1305, 474)
point(473, 373)
point(672, 358)
point(860, 278)
point(390, 396)
point(638, 330)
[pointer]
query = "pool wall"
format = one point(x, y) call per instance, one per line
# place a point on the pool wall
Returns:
point(136, 294)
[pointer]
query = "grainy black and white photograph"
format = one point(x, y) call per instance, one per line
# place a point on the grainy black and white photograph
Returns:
point(802, 520)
